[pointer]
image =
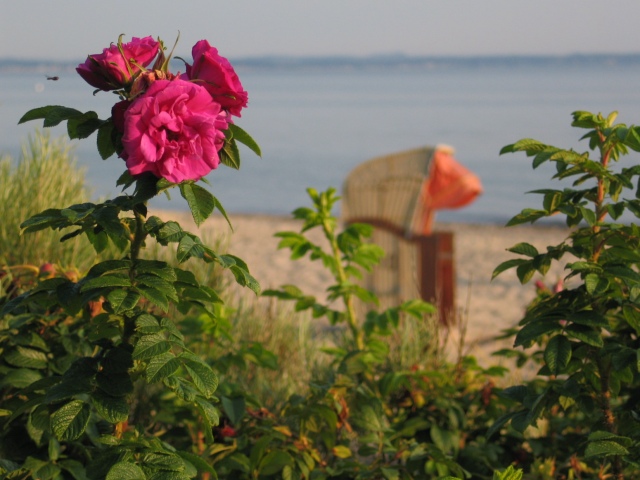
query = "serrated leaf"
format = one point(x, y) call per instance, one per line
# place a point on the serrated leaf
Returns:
point(515, 262)
point(208, 411)
point(106, 148)
point(229, 154)
point(201, 374)
point(557, 354)
point(604, 447)
point(198, 462)
point(585, 334)
point(82, 126)
point(243, 137)
point(161, 366)
point(70, 420)
point(26, 358)
point(106, 281)
point(524, 249)
point(157, 268)
point(163, 461)
point(188, 247)
point(154, 296)
point(112, 409)
point(200, 201)
point(123, 300)
point(149, 346)
point(534, 330)
point(525, 271)
point(20, 378)
point(125, 471)
point(52, 115)
point(147, 324)
point(159, 284)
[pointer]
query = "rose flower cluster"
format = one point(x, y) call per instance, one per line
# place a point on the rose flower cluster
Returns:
point(172, 125)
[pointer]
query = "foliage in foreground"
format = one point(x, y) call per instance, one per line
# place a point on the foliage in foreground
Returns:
point(112, 374)
point(586, 337)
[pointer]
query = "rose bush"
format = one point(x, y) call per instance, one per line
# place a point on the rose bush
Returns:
point(116, 66)
point(174, 130)
point(216, 74)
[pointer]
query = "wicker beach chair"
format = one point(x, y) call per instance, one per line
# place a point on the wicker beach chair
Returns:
point(398, 194)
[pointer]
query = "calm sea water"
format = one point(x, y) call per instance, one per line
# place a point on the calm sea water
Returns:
point(314, 127)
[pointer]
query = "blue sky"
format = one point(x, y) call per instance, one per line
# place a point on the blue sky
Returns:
point(70, 29)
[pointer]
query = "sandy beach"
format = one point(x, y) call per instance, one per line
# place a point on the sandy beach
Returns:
point(487, 306)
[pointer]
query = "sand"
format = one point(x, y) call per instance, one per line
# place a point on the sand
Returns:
point(486, 306)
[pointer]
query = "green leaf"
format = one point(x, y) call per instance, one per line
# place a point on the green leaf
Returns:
point(188, 247)
point(154, 296)
point(146, 324)
point(557, 354)
point(525, 271)
point(123, 300)
point(527, 215)
point(198, 462)
point(243, 137)
point(125, 471)
point(159, 284)
point(84, 125)
point(149, 346)
point(201, 202)
point(26, 357)
point(161, 366)
point(70, 420)
point(524, 249)
point(229, 154)
point(234, 407)
point(208, 411)
point(585, 334)
point(274, 461)
point(534, 330)
point(604, 447)
point(342, 451)
point(52, 115)
point(20, 378)
point(201, 374)
point(106, 281)
point(106, 147)
point(515, 262)
point(112, 409)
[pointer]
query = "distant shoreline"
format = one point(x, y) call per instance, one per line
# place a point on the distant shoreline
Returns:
point(372, 62)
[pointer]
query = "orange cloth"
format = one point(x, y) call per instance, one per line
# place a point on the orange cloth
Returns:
point(449, 185)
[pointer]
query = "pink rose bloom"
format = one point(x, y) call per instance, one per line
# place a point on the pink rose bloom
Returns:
point(216, 74)
point(174, 130)
point(108, 70)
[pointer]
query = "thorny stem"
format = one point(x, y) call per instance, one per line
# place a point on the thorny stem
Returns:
point(342, 278)
point(605, 370)
point(607, 412)
point(137, 241)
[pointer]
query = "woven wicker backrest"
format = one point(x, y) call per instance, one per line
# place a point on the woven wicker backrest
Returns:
point(388, 189)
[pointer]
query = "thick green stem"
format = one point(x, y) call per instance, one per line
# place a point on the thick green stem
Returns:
point(609, 418)
point(139, 236)
point(358, 336)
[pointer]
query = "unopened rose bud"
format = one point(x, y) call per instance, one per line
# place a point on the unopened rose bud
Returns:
point(47, 270)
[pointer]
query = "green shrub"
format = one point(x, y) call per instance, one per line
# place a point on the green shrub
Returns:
point(585, 337)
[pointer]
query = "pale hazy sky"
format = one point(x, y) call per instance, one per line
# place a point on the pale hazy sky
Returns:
point(71, 29)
